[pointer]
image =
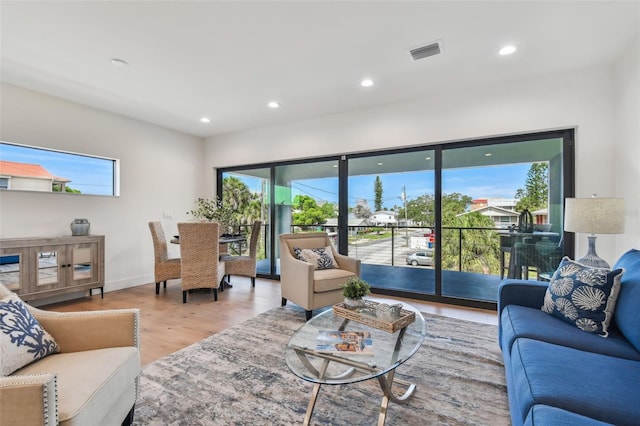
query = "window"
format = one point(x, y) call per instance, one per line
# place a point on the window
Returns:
point(26, 168)
point(424, 221)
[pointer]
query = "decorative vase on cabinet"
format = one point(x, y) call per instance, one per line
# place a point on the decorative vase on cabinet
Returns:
point(80, 227)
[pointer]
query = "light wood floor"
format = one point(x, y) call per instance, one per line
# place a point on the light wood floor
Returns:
point(168, 325)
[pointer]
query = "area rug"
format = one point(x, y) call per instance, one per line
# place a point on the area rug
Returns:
point(239, 377)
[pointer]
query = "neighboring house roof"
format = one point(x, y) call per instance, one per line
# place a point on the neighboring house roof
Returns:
point(36, 171)
point(353, 221)
point(492, 211)
point(541, 212)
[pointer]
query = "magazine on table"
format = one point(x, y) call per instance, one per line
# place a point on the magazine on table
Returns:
point(335, 341)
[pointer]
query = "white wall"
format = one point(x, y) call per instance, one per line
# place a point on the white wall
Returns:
point(582, 99)
point(627, 143)
point(161, 171)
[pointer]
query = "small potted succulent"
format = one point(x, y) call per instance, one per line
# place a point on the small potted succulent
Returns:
point(353, 291)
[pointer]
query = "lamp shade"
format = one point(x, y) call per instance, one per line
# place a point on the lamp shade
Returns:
point(594, 215)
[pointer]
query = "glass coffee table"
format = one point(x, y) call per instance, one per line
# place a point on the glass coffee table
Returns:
point(313, 362)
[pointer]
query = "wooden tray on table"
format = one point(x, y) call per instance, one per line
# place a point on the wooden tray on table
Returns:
point(367, 315)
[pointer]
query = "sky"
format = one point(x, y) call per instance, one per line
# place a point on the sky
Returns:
point(95, 176)
point(478, 182)
point(90, 175)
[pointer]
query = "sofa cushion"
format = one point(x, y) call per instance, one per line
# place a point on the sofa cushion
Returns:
point(90, 383)
point(320, 258)
point(597, 386)
point(544, 415)
point(22, 338)
point(521, 321)
point(583, 295)
point(627, 314)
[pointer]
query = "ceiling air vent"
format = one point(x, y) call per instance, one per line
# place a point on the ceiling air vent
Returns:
point(425, 51)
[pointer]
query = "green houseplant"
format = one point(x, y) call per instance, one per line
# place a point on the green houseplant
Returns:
point(354, 290)
point(213, 209)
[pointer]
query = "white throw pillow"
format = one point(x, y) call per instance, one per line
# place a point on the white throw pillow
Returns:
point(320, 258)
point(22, 338)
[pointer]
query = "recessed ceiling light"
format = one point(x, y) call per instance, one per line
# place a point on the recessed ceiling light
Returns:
point(507, 50)
point(428, 158)
point(273, 104)
point(119, 62)
point(488, 154)
point(379, 164)
point(367, 82)
point(205, 120)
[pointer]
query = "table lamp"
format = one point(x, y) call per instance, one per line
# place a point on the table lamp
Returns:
point(594, 216)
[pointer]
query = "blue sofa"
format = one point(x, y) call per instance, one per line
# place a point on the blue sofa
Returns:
point(558, 374)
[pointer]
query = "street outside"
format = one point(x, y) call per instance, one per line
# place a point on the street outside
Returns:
point(378, 252)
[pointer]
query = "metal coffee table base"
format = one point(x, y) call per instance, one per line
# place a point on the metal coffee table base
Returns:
point(386, 381)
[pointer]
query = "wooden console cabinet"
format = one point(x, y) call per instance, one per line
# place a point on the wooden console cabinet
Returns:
point(36, 268)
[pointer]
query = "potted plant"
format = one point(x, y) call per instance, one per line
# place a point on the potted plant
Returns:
point(213, 209)
point(354, 290)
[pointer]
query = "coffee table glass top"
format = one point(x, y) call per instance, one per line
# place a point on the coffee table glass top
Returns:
point(389, 349)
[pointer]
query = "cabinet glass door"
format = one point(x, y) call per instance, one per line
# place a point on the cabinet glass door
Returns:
point(82, 263)
point(48, 267)
point(11, 270)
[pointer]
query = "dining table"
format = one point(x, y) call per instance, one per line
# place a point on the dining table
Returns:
point(224, 239)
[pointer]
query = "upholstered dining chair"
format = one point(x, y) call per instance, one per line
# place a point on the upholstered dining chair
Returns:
point(200, 257)
point(316, 281)
point(244, 266)
point(165, 268)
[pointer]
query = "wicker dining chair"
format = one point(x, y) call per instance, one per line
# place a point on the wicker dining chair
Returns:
point(165, 268)
point(199, 251)
point(245, 266)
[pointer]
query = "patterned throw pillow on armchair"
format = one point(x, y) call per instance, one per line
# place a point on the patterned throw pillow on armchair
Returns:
point(22, 338)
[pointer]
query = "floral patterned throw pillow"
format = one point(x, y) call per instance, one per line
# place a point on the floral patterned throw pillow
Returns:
point(320, 258)
point(22, 339)
point(584, 296)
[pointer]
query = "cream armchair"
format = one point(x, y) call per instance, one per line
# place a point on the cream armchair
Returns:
point(305, 285)
point(93, 380)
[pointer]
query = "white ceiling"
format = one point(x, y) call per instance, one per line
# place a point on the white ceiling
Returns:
point(226, 60)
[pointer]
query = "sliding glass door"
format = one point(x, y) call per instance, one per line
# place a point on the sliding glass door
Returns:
point(427, 222)
point(485, 190)
point(248, 192)
point(306, 198)
point(391, 219)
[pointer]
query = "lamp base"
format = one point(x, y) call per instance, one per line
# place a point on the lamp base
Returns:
point(591, 258)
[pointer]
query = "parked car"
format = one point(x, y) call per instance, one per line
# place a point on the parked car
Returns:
point(422, 258)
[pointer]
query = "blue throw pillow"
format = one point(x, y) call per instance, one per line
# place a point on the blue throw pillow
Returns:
point(583, 295)
point(22, 338)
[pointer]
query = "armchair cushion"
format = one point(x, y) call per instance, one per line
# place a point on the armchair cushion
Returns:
point(321, 258)
point(91, 383)
point(22, 338)
point(330, 279)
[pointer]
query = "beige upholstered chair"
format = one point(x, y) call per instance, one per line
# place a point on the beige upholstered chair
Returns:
point(199, 251)
point(93, 380)
point(306, 286)
point(165, 268)
point(245, 265)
